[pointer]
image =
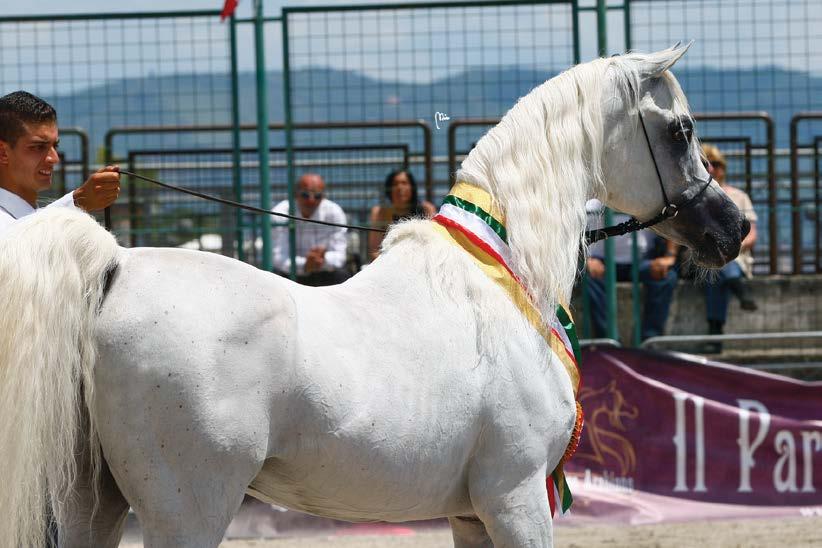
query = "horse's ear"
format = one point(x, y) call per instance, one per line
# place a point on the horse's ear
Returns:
point(654, 64)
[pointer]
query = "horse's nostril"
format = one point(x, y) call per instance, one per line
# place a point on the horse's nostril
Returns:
point(746, 227)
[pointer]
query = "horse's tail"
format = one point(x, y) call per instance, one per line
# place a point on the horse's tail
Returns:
point(52, 270)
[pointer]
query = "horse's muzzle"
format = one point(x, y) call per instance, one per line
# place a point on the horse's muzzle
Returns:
point(746, 227)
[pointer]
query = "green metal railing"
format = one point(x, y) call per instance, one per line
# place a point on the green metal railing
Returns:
point(806, 195)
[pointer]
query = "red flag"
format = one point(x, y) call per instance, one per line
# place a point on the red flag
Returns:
point(228, 9)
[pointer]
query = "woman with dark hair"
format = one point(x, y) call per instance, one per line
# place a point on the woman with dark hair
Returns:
point(401, 203)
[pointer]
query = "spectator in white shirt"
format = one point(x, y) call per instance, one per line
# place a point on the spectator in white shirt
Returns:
point(28, 155)
point(321, 250)
point(657, 272)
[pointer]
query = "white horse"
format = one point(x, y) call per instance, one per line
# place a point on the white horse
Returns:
point(175, 382)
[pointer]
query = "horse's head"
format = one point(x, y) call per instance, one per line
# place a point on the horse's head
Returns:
point(646, 169)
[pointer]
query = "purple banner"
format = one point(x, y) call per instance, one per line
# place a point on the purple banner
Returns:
point(668, 428)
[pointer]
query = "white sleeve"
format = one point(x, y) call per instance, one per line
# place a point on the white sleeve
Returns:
point(65, 201)
point(337, 251)
point(6, 220)
point(280, 245)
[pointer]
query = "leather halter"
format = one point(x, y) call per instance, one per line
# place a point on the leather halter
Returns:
point(669, 210)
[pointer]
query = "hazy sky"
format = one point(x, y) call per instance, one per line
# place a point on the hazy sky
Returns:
point(765, 34)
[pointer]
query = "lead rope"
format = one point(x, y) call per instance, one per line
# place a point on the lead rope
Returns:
point(238, 205)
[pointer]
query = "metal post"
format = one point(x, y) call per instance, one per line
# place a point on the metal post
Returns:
point(289, 147)
point(626, 11)
point(602, 27)
point(773, 225)
point(610, 267)
point(587, 330)
point(236, 172)
point(636, 295)
point(575, 30)
point(262, 132)
point(796, 218)
point(107, 212)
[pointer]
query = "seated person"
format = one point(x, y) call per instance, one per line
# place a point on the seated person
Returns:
point(657, 272)
point(321, 250)
point(731, 278)
point(402, 202)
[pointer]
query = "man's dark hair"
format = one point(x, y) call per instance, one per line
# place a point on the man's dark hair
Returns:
point(19, 108)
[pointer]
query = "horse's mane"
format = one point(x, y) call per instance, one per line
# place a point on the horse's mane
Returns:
point(544, 160)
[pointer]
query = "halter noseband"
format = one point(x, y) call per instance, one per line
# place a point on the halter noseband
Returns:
point(669, 210)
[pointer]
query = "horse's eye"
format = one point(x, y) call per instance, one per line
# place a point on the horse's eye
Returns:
point(681, 130)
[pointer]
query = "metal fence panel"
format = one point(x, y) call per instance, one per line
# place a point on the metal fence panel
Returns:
point(396, 62)
point(101, 71)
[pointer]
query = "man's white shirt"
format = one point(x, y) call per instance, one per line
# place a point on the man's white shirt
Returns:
point(623, 247)
point(13, 207)
point(311, 235)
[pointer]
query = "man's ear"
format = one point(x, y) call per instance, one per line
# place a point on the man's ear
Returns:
point(4, 153)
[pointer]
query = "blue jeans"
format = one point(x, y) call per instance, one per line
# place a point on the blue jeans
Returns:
point(658, 296)
point(718, 294)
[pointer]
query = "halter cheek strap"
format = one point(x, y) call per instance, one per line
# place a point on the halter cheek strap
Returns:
point(669, 210)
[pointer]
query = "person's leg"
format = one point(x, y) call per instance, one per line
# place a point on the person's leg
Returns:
point(717, 295)
point(323, 278)
point(339, 276)
point(598, 310)
point(658, 297)
point(739, 288)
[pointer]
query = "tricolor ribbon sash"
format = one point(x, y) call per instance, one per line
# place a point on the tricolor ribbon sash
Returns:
point(470, 219)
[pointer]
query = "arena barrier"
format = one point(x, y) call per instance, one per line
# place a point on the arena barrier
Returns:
point(673, 437)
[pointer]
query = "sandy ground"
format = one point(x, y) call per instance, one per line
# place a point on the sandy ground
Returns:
point(795, 532)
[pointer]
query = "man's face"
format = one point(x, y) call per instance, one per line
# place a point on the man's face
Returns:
point(310, 191)
point(29, 164)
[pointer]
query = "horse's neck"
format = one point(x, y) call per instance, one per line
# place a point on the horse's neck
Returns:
point(540, 163)
point(532, 253)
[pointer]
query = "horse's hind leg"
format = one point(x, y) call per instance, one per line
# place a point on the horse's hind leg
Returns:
point(469, 533)
point(514, 515)
point(87, 521)
point(184, 494)
point(189, 514)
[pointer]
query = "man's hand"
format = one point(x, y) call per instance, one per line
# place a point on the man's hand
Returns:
point(100, 190)
point(315, 259)
point(596, 268)
point(660, 266)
